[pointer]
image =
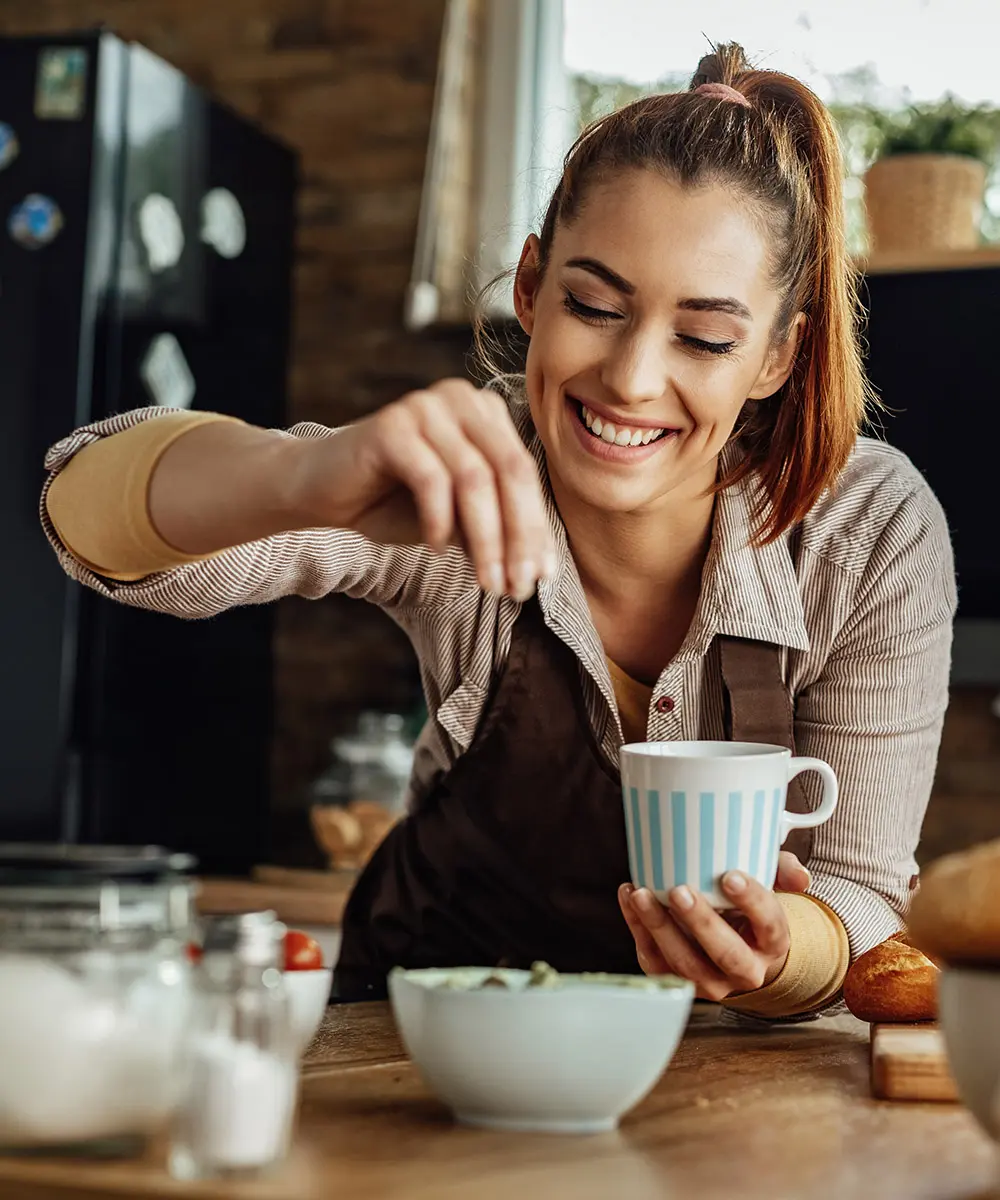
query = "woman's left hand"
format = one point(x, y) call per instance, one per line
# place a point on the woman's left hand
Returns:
point(722, 956)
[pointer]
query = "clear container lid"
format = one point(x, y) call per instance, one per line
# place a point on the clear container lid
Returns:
point(378, 742)
point(64, 864)
point(54, 891)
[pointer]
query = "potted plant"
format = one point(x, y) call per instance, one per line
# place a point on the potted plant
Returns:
point(924, 189)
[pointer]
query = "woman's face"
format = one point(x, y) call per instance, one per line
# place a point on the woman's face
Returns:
point(653, 326)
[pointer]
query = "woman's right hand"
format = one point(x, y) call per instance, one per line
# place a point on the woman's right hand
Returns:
point(441, 465)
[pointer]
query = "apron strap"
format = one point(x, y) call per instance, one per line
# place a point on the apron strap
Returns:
point(760, 710)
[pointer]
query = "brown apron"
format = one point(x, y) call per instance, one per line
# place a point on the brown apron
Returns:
point(518, 852)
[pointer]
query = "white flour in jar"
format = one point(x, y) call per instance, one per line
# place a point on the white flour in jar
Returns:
point(78, 1065)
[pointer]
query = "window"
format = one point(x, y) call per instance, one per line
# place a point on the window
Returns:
point(856, 52)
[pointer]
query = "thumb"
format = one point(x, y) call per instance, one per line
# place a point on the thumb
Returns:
point(792, 875)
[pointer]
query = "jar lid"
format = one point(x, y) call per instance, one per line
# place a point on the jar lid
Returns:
point(25, 863)
point(251, 938)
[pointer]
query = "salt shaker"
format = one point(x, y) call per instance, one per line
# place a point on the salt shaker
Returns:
point(242, 1066)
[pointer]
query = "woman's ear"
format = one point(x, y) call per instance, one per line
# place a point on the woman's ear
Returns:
point(526, 282)
point(780, 360)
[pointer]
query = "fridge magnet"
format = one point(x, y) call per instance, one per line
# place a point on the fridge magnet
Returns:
point(61, 83)
point(161, 231)
point(223, 226)
point(35, 222)
point(165, 372)
point(10, 147)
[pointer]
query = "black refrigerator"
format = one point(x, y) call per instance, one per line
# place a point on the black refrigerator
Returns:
point(145, 259)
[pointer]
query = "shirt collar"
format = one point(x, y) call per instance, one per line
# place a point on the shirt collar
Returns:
point(750, 591)
point(747, 591)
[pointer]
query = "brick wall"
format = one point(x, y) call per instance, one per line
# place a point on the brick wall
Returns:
point(965, 806)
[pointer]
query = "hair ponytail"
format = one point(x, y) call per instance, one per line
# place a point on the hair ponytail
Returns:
point(799, 440)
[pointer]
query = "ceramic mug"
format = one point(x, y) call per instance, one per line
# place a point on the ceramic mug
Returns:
point(695, 810)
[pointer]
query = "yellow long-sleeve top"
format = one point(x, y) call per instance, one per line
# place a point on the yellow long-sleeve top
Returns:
point(97, 506)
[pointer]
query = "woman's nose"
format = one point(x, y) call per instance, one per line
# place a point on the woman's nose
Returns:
point(636, 369)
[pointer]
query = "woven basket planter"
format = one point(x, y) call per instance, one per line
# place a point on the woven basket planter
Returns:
point(919, 202)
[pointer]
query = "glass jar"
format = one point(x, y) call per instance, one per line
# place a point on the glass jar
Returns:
point(371, 765)
point(241, 1059)
point(362, 794)
point(94, 994)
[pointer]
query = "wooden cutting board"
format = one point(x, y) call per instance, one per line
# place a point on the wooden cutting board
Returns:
point(908, 1062)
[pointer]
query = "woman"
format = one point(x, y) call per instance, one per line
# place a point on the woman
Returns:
point(667, 529)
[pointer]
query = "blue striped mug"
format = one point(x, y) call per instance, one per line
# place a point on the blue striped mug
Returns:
point(695, 810)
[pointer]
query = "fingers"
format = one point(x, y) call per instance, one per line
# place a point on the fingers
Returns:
point(680, 954)
point(763, 910)
point(490, 484)
point(735, 960)
point(792, 875)
point(528, 545)
point(477, 500)
point(646, 949)
point(412, 461)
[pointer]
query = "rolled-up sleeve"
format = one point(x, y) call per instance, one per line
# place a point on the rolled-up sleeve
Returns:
point(875, 715)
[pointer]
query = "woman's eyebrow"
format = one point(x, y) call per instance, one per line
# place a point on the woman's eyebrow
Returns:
point(725, 304)
point(612, 278)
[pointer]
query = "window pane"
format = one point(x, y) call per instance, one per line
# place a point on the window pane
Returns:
point(886, 53)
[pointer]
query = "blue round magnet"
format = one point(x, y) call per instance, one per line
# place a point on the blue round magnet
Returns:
point(35, 221)
point(10, 147)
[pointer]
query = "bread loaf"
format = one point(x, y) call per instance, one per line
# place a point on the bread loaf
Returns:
point(892, 982)
point(955, 916)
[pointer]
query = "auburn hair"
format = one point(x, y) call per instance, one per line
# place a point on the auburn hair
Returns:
point(782, 152)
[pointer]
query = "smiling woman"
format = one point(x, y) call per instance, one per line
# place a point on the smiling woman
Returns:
point(666, 529)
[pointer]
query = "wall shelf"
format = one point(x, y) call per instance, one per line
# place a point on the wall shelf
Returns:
point(930, 260)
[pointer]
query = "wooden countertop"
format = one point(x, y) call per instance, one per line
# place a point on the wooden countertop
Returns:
point(298, 897)
point(772, 1115)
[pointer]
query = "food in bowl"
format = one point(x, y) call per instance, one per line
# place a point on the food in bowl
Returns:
point(955, 917)
point(307, 983)
point(302, 952)
point(539, 1050)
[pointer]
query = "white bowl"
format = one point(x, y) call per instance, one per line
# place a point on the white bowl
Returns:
point(969, 1003)
point(567, 1059)
point(308, 995)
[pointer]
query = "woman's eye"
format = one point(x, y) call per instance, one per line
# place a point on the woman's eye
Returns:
point(600, 316)
point(702, 347)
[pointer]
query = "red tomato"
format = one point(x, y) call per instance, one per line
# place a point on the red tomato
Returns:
point(302, 953)
point(193, 952)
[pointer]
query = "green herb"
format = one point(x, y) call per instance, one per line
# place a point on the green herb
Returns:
point(946, 127)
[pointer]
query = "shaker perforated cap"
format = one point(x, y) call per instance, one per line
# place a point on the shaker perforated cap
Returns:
point(253, 938)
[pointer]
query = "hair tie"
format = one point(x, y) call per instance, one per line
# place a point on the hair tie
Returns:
point(722, 91)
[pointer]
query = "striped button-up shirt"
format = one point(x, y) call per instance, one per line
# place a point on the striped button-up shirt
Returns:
point(860, 602)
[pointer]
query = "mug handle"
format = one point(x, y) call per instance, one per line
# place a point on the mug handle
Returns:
point(790, 820)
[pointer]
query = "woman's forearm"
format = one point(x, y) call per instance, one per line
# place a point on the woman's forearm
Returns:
point(171, 490)
point(224, 484)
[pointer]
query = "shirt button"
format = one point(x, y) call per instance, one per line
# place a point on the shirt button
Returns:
point(665, 704)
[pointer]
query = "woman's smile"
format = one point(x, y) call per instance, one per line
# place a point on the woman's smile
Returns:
point(616, 439)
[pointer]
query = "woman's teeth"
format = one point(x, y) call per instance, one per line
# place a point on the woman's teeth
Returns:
point(618, 435)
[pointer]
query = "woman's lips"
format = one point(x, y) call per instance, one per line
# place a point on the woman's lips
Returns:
point(608, 451)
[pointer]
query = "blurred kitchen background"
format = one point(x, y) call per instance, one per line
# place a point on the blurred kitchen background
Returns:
point(418, 140)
